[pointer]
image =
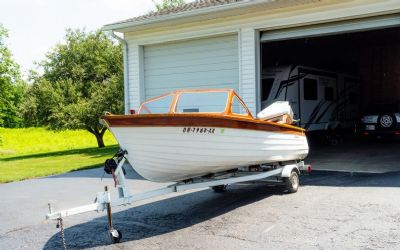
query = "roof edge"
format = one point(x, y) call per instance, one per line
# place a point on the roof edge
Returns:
point(181, 15)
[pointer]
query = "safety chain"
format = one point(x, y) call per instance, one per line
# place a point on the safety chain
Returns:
point(60, 225)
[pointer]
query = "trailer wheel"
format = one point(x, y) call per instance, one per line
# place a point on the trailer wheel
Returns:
point(115, 236)
point(219, 188)
point(292, 182)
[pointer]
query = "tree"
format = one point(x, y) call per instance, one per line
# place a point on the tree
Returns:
point(166, 4)
point(82, 78)
point(12, 86)
point(104, 96)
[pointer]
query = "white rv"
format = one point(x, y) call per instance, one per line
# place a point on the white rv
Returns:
point(320, 99)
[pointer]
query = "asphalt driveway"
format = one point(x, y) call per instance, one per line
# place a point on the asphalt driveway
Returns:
point(331, 210)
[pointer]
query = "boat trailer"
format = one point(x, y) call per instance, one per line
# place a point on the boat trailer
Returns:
point(277, 174)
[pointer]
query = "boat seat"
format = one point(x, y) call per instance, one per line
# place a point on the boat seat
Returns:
point(282, 119)
point(279, 111)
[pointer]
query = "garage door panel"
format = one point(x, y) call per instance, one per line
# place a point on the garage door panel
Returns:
point(159, 91)
point(209, 80)
point(185, 59)
point(219, 75)
point(198, 62)
point(199, 84)
point(201, 63)
point(190, 69)
point(192, 50)
point(213, 42)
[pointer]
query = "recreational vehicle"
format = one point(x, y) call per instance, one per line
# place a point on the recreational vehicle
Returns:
point(321, 100)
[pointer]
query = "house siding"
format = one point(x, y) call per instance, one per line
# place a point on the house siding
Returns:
point(247, 67)
point(134, 89)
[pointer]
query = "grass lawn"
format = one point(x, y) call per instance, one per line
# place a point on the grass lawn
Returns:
point(34, 152)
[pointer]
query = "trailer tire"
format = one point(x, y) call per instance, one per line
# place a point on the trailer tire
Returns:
point(292, 182)
point(219, 188)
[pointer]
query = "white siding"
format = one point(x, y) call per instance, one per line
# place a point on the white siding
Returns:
point(134, 89)
point(198, 63)
point(248, 68)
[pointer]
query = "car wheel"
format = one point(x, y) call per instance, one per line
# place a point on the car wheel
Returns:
point(387, 121)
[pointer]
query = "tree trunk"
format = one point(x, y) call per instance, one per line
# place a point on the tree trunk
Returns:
point(100, 141)
point(99, 136)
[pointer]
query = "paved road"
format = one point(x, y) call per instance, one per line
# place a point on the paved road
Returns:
point(331, 210)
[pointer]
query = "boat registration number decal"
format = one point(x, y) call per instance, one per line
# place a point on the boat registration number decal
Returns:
point(197, 130)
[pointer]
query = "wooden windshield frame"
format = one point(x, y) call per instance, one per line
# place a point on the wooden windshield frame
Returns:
point(231, 94)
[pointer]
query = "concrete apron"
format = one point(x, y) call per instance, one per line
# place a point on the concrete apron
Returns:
point(356, 157)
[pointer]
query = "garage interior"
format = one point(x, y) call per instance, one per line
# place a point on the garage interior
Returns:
point(373, 56)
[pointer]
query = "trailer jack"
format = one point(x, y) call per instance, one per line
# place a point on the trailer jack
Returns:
point(115, 234)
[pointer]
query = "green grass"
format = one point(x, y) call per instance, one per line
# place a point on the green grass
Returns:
point(35, 152)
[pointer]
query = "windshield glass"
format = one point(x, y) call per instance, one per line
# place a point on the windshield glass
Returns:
point(237, 107)
point(158, 106)
point(208, 102)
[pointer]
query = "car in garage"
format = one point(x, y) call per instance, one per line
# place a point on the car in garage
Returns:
point(381, 120)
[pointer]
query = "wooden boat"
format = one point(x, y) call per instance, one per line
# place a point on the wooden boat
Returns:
point(192, 133)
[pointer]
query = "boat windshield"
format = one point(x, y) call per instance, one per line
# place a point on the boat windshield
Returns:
point(187, 102)
point(159, 105)
point(202, 102)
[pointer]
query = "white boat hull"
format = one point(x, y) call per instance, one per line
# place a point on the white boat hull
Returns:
point(165, 154)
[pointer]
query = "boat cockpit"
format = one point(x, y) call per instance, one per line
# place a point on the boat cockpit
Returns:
point(225, 102)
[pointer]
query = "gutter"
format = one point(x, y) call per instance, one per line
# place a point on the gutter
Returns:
point(126, 69)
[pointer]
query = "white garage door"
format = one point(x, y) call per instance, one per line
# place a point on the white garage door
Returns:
point(201, 63)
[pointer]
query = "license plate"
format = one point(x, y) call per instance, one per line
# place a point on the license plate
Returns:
point(370, 127)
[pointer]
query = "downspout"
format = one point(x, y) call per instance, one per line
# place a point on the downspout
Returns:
point(126, 69)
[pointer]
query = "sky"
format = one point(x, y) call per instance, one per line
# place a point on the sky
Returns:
point(35, 26)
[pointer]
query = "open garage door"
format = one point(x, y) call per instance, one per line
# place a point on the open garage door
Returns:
point(343, 83)
point(349, 26)
point(200, 63)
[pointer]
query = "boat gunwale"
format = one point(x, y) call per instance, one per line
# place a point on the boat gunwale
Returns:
point(198, 120)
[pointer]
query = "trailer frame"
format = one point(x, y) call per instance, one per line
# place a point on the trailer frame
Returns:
point(103, 199)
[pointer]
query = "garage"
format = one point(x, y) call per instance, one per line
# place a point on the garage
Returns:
point(199, 63)
point(334, 75)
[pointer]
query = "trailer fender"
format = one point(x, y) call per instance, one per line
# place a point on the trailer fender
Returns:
point(287, 170)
